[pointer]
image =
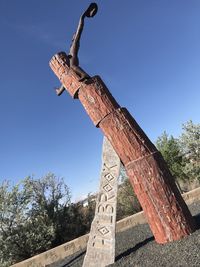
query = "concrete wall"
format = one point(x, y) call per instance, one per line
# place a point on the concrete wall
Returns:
point(56, 257)
point(51, 257)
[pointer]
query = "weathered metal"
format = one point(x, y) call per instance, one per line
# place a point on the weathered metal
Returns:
point(73, 61)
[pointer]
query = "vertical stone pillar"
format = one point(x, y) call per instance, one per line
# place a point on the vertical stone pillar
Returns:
point(101, 244)
point(166, 211)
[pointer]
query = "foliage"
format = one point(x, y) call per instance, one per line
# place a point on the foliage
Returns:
point(170, 150)
point(31, 217)
point(182, 154)
point(127, 203)
point(89, 211)
point(190, 148)
point(36, 215)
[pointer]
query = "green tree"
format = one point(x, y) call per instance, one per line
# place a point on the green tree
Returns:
point(171, 152)
point(31, 217)
point(127, 202)
point(190, 148)
point(89, 211)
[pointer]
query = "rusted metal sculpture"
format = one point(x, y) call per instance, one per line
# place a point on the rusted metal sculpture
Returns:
point(73, 52)
point(163, 205)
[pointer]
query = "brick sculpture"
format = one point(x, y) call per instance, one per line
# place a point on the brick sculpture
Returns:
point(165, 210)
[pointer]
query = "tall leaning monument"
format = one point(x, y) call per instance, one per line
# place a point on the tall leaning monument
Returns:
point(163, 205)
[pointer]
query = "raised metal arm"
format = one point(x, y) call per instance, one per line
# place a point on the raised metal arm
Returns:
point(73, 52)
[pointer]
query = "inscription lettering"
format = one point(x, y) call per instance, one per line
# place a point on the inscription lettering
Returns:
point(102, 197)
point(106, 168)
point(101, 243)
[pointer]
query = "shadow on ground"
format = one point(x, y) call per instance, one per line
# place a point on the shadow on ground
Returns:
point(197, 220)
point(136, 247)
point(148, 240)
point(74, 259)
point(133, 249)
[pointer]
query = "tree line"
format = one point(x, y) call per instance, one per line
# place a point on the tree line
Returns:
point(37, 214)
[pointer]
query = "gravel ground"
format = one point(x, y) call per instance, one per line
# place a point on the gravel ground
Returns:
point(137, 247)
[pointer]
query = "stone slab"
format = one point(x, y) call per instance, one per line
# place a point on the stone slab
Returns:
point(101, 245)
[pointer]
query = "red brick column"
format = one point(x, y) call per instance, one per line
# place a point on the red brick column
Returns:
point(166, 211)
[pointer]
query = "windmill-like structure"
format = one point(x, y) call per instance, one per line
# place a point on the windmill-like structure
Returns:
point(167, 214)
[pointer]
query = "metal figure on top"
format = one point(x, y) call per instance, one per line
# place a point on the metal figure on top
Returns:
point(74, 48)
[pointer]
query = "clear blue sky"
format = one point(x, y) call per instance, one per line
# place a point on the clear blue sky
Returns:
point(147, 52)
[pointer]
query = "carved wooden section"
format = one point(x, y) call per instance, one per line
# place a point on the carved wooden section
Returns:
point(101, 244)
point(160, 198)
point(97, 100)
point(126, 136)
point(165, 210)
point(60, 65)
